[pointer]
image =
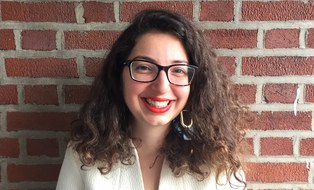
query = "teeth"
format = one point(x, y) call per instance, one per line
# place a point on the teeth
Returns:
point(157, 104)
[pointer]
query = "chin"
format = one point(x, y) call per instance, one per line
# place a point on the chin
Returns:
point(158, 123)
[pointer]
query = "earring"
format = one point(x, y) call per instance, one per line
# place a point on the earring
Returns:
point(182, 121)
point(179, 131)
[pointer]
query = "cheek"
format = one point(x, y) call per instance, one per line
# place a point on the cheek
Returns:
point(187, 94)
point(131, 89)
point(182, 93)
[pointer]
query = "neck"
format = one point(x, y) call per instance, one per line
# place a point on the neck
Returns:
point(151, 137)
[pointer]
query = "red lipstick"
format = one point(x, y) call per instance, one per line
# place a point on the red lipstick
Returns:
point(155, 109)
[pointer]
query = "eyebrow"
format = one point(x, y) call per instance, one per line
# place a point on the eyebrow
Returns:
point(145, 58)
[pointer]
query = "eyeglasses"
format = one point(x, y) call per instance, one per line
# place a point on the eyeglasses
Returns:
point(146, 71)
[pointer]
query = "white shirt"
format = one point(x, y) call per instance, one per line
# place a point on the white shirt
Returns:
point(127, 177)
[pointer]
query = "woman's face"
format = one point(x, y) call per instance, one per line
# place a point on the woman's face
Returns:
point(158, 102)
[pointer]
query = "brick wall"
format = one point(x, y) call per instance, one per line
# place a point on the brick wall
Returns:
point(51, 50)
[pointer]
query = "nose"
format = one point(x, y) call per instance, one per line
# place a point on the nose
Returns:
point(161, 83)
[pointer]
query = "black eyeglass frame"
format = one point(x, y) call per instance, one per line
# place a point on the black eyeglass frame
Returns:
point(164, 68)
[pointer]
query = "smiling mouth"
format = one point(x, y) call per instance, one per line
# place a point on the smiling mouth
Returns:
point(157, 104)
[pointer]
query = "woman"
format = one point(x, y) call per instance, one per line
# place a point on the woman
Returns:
point(160, 115)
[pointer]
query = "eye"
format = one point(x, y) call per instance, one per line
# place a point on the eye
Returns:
point(143, 67)
point(179, 70)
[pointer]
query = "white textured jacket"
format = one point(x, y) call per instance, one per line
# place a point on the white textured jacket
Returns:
point(128, 177)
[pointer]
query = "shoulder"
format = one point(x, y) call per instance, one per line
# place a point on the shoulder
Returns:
point(222, 183)
point(74, 175)
point(190, 181)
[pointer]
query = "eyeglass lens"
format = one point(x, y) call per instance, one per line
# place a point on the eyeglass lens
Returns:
point(178, 74)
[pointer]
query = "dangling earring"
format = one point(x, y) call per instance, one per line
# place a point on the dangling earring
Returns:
point(180, 131)
point(182, 121)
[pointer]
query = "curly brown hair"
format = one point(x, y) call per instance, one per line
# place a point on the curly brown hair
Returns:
point(102, 132)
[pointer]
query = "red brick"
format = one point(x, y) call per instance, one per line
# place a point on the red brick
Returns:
point(38, 12)
point(9, 147)
point(129, 9)
point(40, 147)
point(276, 146)
point(217, 11)
point(282, 38)
point(232, 38)
point(19, 173)
point(50, 121)
point(229, 64)
point(278, 11)
point(309, 93)
point(90, 40)
point(93, 66)
point(44, 67)
point(39, 40)
point(76, 94)
point(7, 41)
point(41, 94)
point(8, 94)
point(310, 38)
point(306, 147)
point(277, 66)
point(277, 172)
point(98, 12)
point(280, 93)
point(282, 121)
point(246, 93)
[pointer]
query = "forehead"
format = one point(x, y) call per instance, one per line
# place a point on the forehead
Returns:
point(157, 45)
